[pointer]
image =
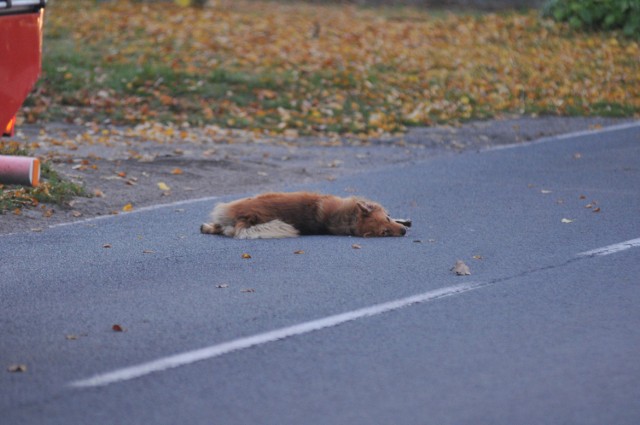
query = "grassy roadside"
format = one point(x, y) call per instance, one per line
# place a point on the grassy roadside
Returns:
point(305, 69)
point(52, 190)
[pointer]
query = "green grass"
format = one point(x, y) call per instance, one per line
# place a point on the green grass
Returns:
point(365, 70)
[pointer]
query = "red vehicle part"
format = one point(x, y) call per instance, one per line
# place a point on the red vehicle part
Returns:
point(20, 55)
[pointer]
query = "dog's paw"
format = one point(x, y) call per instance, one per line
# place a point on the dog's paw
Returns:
point(210, 229)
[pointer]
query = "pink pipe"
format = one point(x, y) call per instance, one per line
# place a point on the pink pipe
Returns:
point(22, 170)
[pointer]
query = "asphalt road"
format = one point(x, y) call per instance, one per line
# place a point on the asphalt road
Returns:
point(546, 329)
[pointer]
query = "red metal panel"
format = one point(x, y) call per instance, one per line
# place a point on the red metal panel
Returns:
point(20, 60)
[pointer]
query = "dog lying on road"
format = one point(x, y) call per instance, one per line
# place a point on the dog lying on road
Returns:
point(284, 215)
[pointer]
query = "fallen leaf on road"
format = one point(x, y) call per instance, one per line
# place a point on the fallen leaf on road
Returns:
point(567, 220)
point(127, 208)
point(356, 246)
point(477, 257)
point(17, 368)
point(176, 171)
point(148, 251)
point(298, 252)
point(248, 290)
point(163, 186)
point(71, 337)
point(107, 245)
point(461, 269)
point(117, 328)
point(596, 210)
point(246, 256)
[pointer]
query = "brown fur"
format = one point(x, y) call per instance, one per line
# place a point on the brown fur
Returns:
point(277, 215)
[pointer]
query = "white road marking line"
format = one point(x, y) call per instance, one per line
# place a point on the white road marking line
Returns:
point(134, 211)
point(210, 352)
point(189, 357)
point(581, 133)
point(611, 249)
point(137, 210)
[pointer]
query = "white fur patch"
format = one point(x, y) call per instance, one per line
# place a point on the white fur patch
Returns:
point(220, 215)
point(271, 230)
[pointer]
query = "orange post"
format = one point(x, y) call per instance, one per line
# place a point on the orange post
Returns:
point(22, 170)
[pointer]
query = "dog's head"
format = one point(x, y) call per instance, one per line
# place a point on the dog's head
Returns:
point(374, 221)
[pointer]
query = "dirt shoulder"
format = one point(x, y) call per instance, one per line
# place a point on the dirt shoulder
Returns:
point(124, 168)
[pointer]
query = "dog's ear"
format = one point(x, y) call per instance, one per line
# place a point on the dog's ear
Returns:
point(365, 207)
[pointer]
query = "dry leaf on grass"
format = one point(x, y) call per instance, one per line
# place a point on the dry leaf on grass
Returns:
point(508, 64)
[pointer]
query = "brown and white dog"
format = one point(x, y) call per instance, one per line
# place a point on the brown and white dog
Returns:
point(284, 215)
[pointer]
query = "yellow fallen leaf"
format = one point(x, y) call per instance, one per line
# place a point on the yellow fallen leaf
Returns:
point(127, 208)
point(461, 269)
point(246, 256)
point(163, 186)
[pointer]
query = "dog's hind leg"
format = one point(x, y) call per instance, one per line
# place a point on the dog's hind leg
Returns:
point(271, 230)
point(221, 222)
point(211, 229)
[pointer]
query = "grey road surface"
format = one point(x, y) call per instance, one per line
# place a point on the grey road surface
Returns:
point(546, 329)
